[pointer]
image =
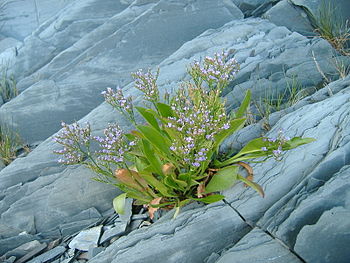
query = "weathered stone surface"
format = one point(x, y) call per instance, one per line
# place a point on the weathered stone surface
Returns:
point(191, 237)
point(36, 250)
point(20, 17)
point(251, 7)
point(49, 255)
point(26, 248)
point(341, 8)
point(138, 45)
point(256, 247)
point(293, 17)
point(9, 42)
point(318, 225)
point(9, 242)
point(61, 74)
point(86, 238)
point(117, 230)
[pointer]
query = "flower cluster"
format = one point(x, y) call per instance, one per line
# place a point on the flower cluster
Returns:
point(113, 145)
point(117, 100)
point(196, 125)
point(171, 160)
point(75, 141)
point(281, 139)
point(216, 71)
point(146, 82)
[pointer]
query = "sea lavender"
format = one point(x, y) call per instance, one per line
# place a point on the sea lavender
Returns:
point(196, 125)
point(113, 146)
point(146, 82)
point(75, 141)
point(121, 103)
point(216, 71)
point(278, 142)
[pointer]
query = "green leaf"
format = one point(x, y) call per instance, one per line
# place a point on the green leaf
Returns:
point(164, 110)
point(149, 117)
point(297, 141)
point(119, 203)
point(130, 192)
point(152, 157)
point(235, 125)
point(223, 179)
point(156, 139)
point(244, 105)
point(175, 183)
point(253, 185)
point(162, 188)
point(210, 199)
point(254, 146)
point(140, 164)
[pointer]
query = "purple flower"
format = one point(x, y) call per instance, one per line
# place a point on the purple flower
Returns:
point(75, 140)
point(196, 164)
point(226, 126)
point(146, 82)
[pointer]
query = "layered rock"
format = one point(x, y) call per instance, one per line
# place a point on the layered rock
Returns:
point(81, 49)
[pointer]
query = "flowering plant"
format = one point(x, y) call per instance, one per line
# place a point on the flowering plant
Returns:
point(173, 158)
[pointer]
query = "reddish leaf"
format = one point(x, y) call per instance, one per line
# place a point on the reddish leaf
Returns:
point(152, 210)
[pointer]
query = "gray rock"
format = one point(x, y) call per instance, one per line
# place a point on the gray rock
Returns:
point(86, 239)
point(191, 237)
point(49, 255)
point(341, 8)
point(253, 7)
point(10, 259)
point(317, 226)
point(19, 18)
point(85, 76)
point(9, 42)
point(293, 17)
point(117, 230)
point(24, 257)
point(256, 247)
point(93, 251)
point(26, 248)
point(9, 243)
point(126, 217)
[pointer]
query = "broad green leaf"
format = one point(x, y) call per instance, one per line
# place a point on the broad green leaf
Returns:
point(254, 146)
point(186, 177)
point(223, 179)
point(152, 157)
point(156, 139)
point(140, 164)
point(179, 181)
point(158, 185)
point(253, 185)
point(162, 204)
point(130, 136)
point(119, 203)
point(175, 183)
point(164, 110)
point(149, 117)
point(235, 125)
point(134, 193)
point(244, 105)
point(210, 199)
point(297, 141)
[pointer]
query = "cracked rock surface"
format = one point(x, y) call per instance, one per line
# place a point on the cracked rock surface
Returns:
point(64, 53)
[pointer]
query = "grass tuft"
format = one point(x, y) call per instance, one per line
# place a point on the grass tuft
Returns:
point(10, 144)
point(274, 101)
point(330, 26)
point(8, 89)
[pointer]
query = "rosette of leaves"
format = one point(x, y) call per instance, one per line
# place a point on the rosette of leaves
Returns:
point(172, 158)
